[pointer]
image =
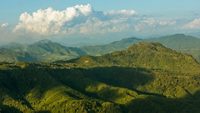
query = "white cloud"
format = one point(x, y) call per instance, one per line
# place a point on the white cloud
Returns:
point(4, 25)
point(50, 21)
point(83, 19)
point(95, 26)
point(152, 23)
point(195, 24)
point(123, 12)
point(77, 19)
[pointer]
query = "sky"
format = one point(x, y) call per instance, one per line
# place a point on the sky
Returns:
point(63, 20)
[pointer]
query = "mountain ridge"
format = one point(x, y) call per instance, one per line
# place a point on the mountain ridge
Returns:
point(144, 55)
point(179, 42)
point(48, 51)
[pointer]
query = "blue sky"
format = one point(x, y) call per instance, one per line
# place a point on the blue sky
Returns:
point(11, 9)
point(71, 19)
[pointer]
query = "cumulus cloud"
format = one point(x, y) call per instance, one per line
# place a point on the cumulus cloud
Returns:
point(50, 21)
point(76, 19)
point(195, 24)
point(83, 19)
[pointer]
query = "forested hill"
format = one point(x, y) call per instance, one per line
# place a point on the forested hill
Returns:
point(145, 55)
point(179, 42)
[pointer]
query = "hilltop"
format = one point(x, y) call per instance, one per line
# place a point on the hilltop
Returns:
point(145, 55)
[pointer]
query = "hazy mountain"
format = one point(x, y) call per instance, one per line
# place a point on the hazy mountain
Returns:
point(145, 78)
point(41, 51)
point(108, 48)
point(178, 41)
point(182, 43)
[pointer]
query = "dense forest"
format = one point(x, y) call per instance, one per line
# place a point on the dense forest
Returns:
point(145, 78)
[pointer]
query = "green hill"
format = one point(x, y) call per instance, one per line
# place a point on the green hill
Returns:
point(42, 51)
point(179, 42)
point(145, 55)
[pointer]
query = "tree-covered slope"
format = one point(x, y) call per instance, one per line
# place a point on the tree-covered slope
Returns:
point(42, 91)
point(58, 88)
point(145, 55)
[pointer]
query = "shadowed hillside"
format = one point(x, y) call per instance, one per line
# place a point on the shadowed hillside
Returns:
point(104, 89)
point(52, 89)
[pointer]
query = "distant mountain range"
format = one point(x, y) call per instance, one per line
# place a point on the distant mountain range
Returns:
point(48, 51)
